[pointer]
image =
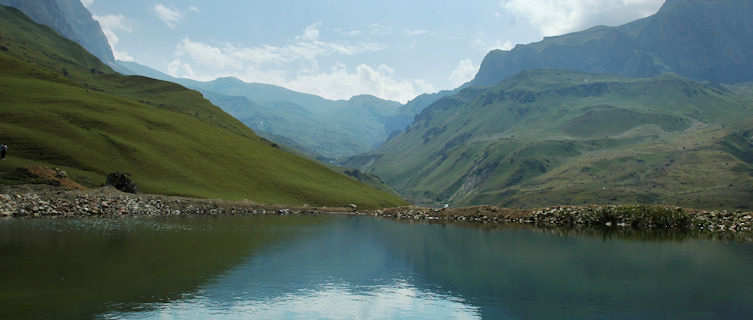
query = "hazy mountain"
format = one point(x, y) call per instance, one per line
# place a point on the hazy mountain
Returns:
point(404, 117)
point(62, 107)
point(705, 40)
point(564, 137)
point(330, 128)
point(69, 18)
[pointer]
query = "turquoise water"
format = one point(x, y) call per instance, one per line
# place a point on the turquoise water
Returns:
point(339, 267)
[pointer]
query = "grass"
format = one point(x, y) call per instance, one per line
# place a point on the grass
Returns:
point(559, 137)
point(90, 121)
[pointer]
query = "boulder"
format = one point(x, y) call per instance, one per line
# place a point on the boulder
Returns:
point(121, 182)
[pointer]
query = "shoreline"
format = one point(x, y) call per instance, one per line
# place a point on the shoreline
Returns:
point(30, 201)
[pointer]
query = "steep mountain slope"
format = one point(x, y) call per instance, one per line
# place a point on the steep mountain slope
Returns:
point(404, 116)
point(705, 40)
point(62, 107)
point(330, 128)
point(562, 137)
point(69, 18)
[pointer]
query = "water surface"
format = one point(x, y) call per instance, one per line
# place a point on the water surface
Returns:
point(360, 267)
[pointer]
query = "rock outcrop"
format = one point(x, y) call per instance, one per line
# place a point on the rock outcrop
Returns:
point(705, 40)
point(121, 182)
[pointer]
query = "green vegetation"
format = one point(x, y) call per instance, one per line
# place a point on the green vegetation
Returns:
point(546, 138)
point(332, 129)
point(61, 107)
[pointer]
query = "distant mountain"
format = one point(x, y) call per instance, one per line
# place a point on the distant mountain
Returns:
point(705, 40)
point(333, 129)
point(62, 107)
point(69, 18)
point(564, 137)
point(404, 116)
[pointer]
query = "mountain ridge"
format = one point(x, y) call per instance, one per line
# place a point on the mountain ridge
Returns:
point(72, 20)
point(702, 40)
point(332, 128)
point(549, 137)
point(62, 107)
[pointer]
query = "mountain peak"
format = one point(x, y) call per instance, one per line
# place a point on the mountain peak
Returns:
point(69, 18)
point(705, 40)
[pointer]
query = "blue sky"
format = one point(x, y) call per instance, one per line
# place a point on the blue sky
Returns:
point(337, 49)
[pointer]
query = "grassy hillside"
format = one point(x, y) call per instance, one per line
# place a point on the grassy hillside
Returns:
point(333, 129)
point(558, 137)
point(61, 107)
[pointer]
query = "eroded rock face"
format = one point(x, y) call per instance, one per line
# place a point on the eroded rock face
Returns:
point(121, 182)
point(705, 40)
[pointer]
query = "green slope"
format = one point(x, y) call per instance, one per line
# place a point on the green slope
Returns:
point(61, 107)
point(559, 137)
point(333, 129)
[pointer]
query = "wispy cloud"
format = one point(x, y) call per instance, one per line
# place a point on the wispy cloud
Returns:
point(380, 29)
point(306, 46)
point(194, 9)
point(170, 16)
point(340, 83)
point(485, 46)
point(267, 63)
point(556, 17)
point(415, 32)
point(112, 23)
point(465, 71)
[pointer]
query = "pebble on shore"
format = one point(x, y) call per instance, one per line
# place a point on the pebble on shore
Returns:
point(107, 201)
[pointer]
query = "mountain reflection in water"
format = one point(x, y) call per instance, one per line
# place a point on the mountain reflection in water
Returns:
point(366, 268)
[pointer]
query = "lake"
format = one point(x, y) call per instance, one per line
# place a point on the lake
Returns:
point(353, 267)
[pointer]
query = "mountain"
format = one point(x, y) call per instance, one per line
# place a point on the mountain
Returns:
point(332, 129)
point(69, 18)
point(62, 107)
point(564, 137)
point(404, 116)
point(704, 40)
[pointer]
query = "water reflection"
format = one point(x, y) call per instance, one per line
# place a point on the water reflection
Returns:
point(77, 268)
point(366, 268)
point(328, 301)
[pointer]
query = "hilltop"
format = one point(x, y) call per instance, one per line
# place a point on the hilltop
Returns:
point(563, 137)
point(704, 40)
point(62, 107)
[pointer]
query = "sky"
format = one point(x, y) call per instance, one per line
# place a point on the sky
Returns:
point(392, 49)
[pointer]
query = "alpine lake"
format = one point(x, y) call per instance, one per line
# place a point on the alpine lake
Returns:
point(362, 267)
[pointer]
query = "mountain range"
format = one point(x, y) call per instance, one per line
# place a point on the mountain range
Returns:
point(565, 137)
point(325, 129)
point(64, 108)
point(71, 19)
point(656, 111)
point(704, 40)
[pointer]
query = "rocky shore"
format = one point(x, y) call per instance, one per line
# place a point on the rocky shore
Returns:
point(45, 201)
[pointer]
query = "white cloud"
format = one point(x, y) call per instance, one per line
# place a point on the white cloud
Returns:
point(194, 9)
point(169, 16)
point(207, 55)
point(484, 46)
point(87, 3)
point(110, 24)
point(177, 68)
point(267, 64)
point(115, 22)
point(556, 17)
point(340, 83)
point(380, 29)
point(310, 33)
point(122, 55)
point(415, 32)
point(465, 71)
